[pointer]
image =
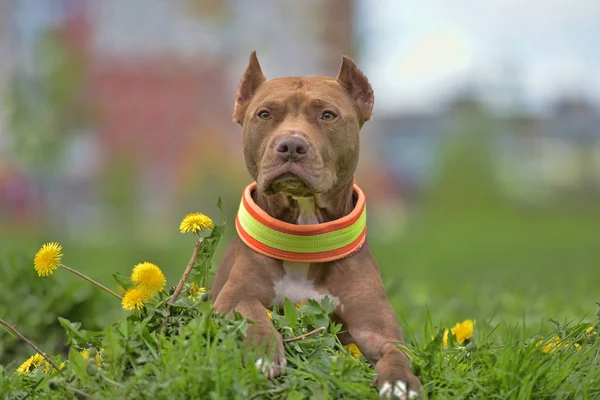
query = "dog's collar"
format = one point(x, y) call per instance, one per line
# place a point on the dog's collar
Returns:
point(324, 242)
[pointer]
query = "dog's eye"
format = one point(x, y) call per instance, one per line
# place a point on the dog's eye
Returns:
point(264, 114)
point(328, 116)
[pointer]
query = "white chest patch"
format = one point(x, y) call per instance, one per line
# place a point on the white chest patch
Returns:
point(295, 284)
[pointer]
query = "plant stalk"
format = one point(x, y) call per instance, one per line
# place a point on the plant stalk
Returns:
point(93, 282)
point(182, 281)
point(307, 334)
point(30, 343)
point(186, 273)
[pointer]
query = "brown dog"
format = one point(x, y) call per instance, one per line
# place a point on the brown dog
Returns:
point(301, 146)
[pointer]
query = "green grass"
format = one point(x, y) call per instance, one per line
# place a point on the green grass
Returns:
point(513, 266)
point(525, 270)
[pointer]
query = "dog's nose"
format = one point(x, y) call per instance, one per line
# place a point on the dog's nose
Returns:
point(291, 147)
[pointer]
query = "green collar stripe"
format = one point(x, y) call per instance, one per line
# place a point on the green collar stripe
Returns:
point(324, 242)
point(300, 244)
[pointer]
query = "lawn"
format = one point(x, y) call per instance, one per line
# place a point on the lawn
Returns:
point(510, 270)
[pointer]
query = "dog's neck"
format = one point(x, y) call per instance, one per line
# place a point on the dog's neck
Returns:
point(323, 207)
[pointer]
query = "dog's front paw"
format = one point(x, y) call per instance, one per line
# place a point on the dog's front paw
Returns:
point(397, 390)
point(396, 381)
point(271, 369)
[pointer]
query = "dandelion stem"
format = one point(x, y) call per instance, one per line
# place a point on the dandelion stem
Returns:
point(182, 281)
point(93, 282)
point(79, 392)
point(30, 343)
point(186, 273)
point(305, 335)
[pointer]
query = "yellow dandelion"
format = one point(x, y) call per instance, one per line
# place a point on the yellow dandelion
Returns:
point(551, 346)
point(301, 304)
point(86, 355)
point(463, 330)
point(30, 364)
point(47, 259)
point(48, 367)
point(135, 298)
point(353, 349)
point(577, 346)
point(269, 313)
point(148, 277)
point(444, 338)
point(196, 222)
point(589, 329)
point(196, 291)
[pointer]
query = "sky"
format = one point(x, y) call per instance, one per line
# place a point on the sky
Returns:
point(416, 54)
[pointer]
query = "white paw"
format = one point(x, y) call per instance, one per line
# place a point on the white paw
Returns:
point(271, 369)
point(396, 391)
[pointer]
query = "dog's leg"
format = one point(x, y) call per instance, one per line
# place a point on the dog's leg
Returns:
point(261, 334)
point(377, 335)
point(372, 324)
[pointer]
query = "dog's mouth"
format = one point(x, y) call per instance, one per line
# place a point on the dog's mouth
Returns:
point(293, 179)
point(290, 184)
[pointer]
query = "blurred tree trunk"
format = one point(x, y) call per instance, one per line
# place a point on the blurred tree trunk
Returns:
point(338, 33)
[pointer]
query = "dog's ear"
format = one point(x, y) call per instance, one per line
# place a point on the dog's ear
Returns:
point(357, 84)
point(252, 79)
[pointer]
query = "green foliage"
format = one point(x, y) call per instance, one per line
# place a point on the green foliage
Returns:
point(202, 356)
point(32, 304)
point(199, 356)
point(512, 367)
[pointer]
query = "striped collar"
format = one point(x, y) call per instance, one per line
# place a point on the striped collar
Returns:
point(324, 242)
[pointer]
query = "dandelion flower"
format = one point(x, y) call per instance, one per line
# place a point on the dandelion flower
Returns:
point(47, 259)
point(30, 364)
point(445, 338)
point(301, 304)
point(463, 330)
point(196, 222)
point(577, 346)
point(148, 277)
point(86, 355)
point(353, 349)
point(269, 313)
point(135, 298)
point(589, 329)
point(48, 366)
point(196, 291)
point(551, 346)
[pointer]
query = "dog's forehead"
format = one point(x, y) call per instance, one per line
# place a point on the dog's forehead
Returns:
point(323, 88)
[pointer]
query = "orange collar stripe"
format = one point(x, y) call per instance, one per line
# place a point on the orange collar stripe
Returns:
point(307, 243)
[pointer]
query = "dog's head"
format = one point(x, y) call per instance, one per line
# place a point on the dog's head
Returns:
point(301, 135)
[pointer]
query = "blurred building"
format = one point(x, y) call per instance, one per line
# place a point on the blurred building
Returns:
point(539, 156)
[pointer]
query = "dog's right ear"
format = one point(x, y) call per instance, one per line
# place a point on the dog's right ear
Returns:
point(252, 79)
point(358, 86)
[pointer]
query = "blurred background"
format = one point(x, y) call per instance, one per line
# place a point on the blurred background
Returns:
point(481, 165)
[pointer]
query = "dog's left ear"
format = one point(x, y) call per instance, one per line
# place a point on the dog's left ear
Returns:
point(252, 79)
point(357, 84)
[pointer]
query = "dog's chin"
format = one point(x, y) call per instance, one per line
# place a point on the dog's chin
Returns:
point(290, 185)
point(292, 180)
